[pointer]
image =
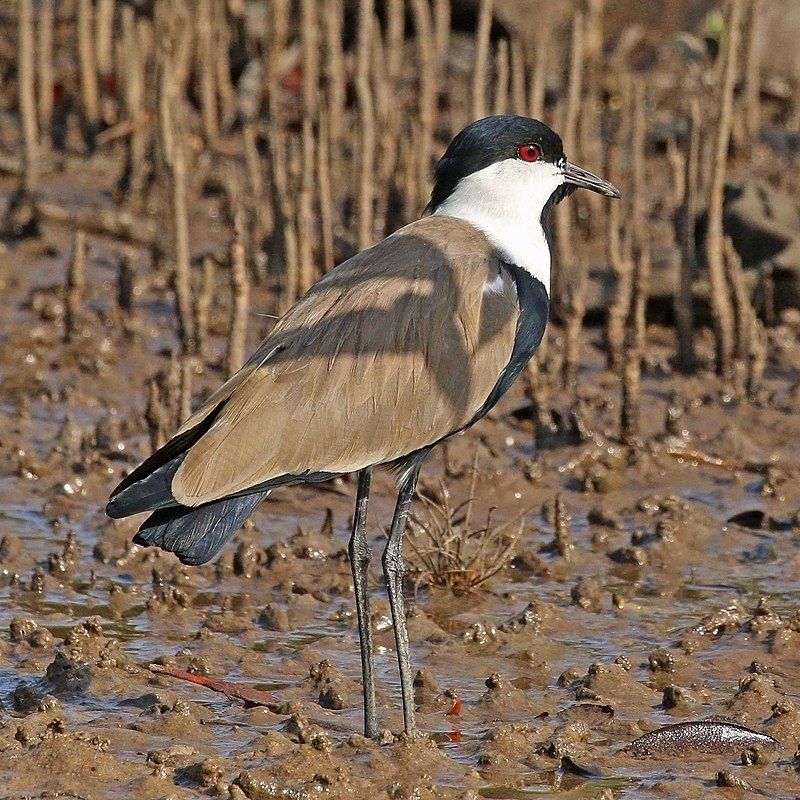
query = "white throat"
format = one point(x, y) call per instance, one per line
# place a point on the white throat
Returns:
point(505, 200)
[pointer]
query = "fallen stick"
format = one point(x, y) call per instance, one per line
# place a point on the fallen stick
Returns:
point(251, 697)
point(103, 222)
point(709, 460)
point(121, 129)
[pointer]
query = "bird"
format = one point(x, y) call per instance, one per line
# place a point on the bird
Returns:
point(393, 351)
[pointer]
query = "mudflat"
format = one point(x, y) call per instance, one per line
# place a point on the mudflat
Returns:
point(668, 594)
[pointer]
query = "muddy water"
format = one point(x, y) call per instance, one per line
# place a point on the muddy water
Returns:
point(661, 611)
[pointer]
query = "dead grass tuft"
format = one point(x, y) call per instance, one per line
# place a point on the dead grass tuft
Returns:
point(448, 552)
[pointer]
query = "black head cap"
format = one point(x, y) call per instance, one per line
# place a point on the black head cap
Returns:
point(487, 141)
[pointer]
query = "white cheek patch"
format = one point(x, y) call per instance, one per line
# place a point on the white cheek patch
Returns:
point(505, 200)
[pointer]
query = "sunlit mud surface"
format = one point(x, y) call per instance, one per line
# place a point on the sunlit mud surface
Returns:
point(660, 610)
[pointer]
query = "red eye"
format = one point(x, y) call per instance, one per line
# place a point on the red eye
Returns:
point(530, 152)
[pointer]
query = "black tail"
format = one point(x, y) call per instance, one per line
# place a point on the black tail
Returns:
point(196, 535)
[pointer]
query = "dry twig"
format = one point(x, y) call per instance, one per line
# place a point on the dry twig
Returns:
point(240, 290)
point(44, 67)
point(684, 229)
point(76, 283)
point(752, 75)
point(366, 113)
point(27, 101)
point(90, 91)
point(479, 71)
point(630, 426)
point(721, 309)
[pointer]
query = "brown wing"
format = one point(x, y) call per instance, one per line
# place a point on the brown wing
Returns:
point(391, 351)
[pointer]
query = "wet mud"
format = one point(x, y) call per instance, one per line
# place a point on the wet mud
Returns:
point(651, 584)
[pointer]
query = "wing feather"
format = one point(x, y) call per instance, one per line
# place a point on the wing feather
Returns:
point(390, 352)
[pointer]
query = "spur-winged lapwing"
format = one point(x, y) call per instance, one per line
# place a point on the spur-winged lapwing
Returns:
point(393, 351)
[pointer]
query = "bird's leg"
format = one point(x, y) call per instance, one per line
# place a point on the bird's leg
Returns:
point(393, 568)
point(359, 563)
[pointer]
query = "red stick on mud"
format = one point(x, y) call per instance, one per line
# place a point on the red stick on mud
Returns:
point(251, 697)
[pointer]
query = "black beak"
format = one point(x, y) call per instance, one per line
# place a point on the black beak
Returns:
point(577, 176)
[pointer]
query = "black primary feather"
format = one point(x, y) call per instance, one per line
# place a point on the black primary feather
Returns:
point(149, 486)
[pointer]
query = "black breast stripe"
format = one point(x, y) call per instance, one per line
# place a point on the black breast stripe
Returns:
point(534, 309)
